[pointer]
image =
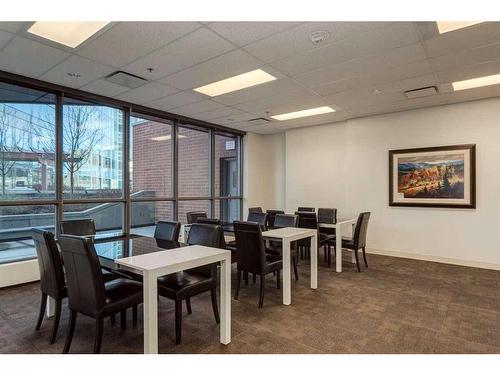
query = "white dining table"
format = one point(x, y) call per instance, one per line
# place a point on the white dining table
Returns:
point(286, 236)
point(160, 263)
point(339, 226)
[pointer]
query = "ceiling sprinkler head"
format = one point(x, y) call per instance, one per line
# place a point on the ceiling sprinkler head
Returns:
point(319, 36)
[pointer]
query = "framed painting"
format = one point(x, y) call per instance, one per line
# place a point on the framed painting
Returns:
point(433, 177)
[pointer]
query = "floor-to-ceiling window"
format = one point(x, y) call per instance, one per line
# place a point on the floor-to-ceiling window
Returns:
point(63, 157)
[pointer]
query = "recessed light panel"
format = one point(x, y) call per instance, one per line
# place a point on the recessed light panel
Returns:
point(241, 81)
point(71, 34)
point(476, 82)
point(304, 113)
point(444, 26)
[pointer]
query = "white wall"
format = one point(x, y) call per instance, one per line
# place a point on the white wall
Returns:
point(264, 171)
point(345, 165)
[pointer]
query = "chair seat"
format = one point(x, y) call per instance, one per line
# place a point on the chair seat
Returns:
point(109, 276)
point(324, 238)
point(120, 294)
point(182, 284)
point(347, 242)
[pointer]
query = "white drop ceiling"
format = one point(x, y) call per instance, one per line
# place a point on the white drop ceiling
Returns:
point(362, 69)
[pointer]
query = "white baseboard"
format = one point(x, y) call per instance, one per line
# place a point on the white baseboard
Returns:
point(19, 273)
point(431, 258)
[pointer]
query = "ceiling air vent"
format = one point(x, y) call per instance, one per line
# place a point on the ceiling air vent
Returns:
point(421, 92)
point(126, 79)
point(258, 121)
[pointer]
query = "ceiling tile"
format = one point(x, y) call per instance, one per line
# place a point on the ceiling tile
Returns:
point(242, 33)
point(240, 118)
point(296, 39)
point(105, 88)
point(468, 72)
point(376, 42)
point(29, 58)
point(467, 38)
point(87, 69)
point(286, 102)
point(146, 93)
point(224, 112)
point(221, 67)
point(192, 49)
point(4, 38)
point(128, 41)
point(195, 108)
point(468, 57)
point(13, 27)
point(177, 100)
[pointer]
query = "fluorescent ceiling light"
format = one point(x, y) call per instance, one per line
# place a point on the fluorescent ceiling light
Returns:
point(476, 82)
point(445, 27)
point(241, 81)
point(71, 34)
point(166, 137)
point(304, 113)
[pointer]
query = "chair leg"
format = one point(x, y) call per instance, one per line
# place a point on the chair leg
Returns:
point(357, 261)
point(254, 278)
point(213, 292)
point(98, 335)
point(71, 330)
point(364, 257)
point(178, 321)
point(238, 284)
point(112, 318)
point(43, 306)
point(278, 283)
point(324, 254)
point(262, 286)
point(57, 318)
point(123, 319)
point(245, 277)
point(134, 315)
point(329, 253)
point(295, 271)
point(188, 305)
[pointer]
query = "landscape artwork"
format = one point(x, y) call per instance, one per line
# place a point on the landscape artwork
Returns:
point(435, 176)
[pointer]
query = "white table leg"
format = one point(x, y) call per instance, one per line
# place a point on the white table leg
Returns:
point(225, 301)
point(150, 306)
point(287, 292)
point(51, 307)
point(338, 248)
point(314, 261)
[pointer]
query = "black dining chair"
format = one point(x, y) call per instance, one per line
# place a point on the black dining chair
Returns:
point(259, 218)
point(193, 216)
point(275, 247)
point(167, 230)
point(88, 294)
point(52, 282)
point(251, 256)
point(310, 221)
point(80, 227)
point(255, 209)
point(358, 241)
point(271, 214)
point(206, 220)
point(327, 216)
point(306, 209)
point(190, 283)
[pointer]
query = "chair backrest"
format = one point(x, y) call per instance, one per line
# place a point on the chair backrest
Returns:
point(259, 218)
point(167, 230)
point(83, 275)
point(306, 209)
point(49, 263)
point(271, 214)
point(206, 220)
point(206, 235)
point(250, 249)
point(255, 209)
point(285, 221)
point(361, 230)
point(307, 219)
point(193, 216)
point(81, 227)
point(327, 215)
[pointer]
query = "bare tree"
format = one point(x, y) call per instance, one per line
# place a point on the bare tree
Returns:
point(7, 145)
point(80, 138)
